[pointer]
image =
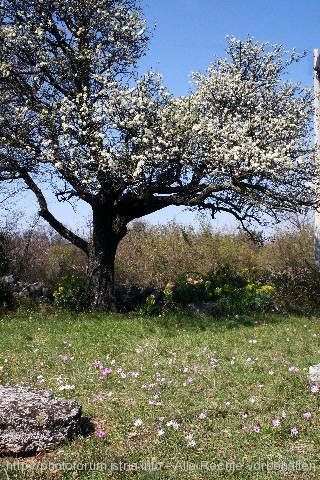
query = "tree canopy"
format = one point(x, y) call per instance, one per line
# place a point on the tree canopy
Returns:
point(75, 116)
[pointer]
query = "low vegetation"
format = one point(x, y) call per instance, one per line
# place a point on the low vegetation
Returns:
point(193, 264)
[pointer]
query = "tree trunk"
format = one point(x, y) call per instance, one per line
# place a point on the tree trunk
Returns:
point(107, 233)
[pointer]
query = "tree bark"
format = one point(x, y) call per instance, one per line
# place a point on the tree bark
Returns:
point(107, 233)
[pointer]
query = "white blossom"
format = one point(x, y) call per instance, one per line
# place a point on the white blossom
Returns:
point(238, 143)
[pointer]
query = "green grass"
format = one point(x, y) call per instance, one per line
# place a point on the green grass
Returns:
point(248, 385)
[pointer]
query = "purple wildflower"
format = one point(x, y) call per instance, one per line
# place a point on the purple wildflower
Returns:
point(307, 415)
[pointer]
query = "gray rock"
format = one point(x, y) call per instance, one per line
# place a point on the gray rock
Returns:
point(314, 375)
point(34, 420)
point(9, 279)
point(207, 308)
point(35, 291)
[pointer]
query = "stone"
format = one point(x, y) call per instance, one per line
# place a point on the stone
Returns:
point(207, 308)
point(33, 420)
point(35, 291)
point(314, 375)
point(9, 279)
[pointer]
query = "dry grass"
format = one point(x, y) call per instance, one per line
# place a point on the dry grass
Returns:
point(155, 255)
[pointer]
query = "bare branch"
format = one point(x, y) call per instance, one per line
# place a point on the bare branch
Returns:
point(47, 215)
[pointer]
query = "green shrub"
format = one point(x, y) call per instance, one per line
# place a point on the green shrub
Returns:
point(72, 293)
point(151, 306)
point(191, 288)
point(248, 299)
point(232, 292)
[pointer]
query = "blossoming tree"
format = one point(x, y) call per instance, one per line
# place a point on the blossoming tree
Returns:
point(75, 117)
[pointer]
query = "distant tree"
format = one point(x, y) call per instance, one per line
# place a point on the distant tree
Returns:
point(75, 117)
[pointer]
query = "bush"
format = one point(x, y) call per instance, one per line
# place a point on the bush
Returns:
point(151, 256)
point(288, 260)
point(148, 255)
point(232, 292)
point(7, 301)
point(38, 254)
point(298, 290)
point(72, 293)
point(228, 292)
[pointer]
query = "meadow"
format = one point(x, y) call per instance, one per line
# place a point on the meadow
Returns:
point(176, 396)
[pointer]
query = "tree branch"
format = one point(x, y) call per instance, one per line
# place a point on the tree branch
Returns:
point(47, 215)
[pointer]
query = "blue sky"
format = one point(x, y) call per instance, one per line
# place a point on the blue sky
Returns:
point(189, 33)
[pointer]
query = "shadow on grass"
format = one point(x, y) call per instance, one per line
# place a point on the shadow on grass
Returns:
point(172, 321)
point(87, 427)
point(141, 325)
point(202, 322)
